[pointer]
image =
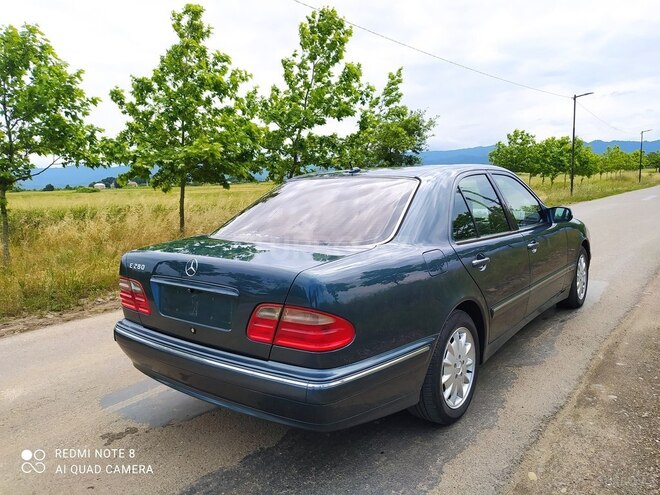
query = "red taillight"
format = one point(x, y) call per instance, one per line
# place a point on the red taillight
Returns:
point(132, 296)
point(311, 330)
point(299, 328)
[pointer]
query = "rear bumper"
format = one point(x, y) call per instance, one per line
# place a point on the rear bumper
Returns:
point(323, 400)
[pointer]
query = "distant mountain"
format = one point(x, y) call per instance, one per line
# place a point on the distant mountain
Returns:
point(73, 176)
point(60, 177)
point(627, 146)
point(466, 155)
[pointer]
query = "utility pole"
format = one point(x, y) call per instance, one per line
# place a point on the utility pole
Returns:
point(575, 97)
point(641, 152)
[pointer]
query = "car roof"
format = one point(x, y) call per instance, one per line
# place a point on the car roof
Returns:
point(420, 171)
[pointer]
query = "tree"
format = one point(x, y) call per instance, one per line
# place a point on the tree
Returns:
point(634, 161)
point(653, 160)
point(587, 163)
point(518, 155)
point(389, 133)
point(318, 89)
point(614, 159)
point(554, 157)
point(188, 119)
point(42, 113)
point(48, 188)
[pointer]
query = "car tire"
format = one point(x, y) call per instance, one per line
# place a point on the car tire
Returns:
point(580, 283)
point(446, 392)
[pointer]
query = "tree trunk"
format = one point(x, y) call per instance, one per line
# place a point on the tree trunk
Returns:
point(182, 199)
point(294, 167)
point(530, 179)
point(5, 226)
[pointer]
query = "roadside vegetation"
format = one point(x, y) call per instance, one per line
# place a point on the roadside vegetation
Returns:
point(552, 159)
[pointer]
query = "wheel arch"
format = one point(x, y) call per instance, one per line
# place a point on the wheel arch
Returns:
point(587, 247)
point(475, 312)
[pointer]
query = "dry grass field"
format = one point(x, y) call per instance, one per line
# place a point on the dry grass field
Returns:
point(596, 187)
point(66, 245)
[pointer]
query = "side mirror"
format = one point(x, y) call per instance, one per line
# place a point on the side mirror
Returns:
point(559, 214)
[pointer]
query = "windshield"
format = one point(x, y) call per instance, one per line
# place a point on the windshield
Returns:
point(328, 211)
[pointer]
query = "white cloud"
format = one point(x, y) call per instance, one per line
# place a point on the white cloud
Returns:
point(562, 46)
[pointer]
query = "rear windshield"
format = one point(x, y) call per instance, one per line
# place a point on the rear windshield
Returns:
point(328, 211)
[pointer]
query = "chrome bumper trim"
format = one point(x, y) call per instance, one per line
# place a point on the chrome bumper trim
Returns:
point(309, 385)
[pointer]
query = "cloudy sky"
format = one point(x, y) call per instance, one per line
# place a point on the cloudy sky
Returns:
point(564, 47)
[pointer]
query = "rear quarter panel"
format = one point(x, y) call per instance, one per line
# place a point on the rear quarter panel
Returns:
point(387, 294)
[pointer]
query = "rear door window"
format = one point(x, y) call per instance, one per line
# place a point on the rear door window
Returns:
point(484, 205)
point(463, 227)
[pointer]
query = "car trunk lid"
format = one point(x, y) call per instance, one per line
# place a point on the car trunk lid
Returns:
point(204, 289)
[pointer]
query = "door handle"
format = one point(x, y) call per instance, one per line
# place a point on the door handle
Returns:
point(481, 262)
point(533, 246)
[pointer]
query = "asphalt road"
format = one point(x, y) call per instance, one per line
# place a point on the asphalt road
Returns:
point(69, 387)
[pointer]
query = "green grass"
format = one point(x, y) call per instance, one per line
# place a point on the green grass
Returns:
point(66, 245)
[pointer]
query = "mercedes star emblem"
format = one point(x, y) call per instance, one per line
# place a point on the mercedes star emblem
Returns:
point(191, 267)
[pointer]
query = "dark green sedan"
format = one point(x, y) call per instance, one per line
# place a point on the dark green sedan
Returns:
point(340, 298)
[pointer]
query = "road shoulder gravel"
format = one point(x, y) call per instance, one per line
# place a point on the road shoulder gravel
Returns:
point(606, 439)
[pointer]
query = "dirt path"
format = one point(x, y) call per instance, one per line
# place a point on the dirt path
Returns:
point(606, 440)
point(100, 305)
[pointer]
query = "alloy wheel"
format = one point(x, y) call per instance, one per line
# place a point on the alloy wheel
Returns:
point(458, 366)
point(582, 275)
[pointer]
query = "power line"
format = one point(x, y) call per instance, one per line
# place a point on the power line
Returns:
point(466, 67)
point(604, 121)
point(438, 57)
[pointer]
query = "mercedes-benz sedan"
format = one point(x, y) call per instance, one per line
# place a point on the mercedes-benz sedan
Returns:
point(339, 298)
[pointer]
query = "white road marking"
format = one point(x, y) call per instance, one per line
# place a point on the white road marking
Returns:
point(648, 198)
